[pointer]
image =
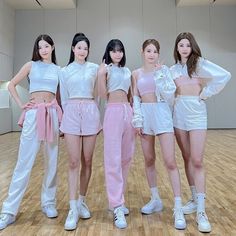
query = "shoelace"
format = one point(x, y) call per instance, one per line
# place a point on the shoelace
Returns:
point(202, 216)
point(119, 214)
point(178, 213)
point(3, 216)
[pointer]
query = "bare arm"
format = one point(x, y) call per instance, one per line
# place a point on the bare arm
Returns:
point(102, 81)
point(22, 74)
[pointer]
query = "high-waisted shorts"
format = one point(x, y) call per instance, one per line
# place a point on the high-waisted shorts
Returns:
point(81, 117)
point(189, 113)
point(157, 118)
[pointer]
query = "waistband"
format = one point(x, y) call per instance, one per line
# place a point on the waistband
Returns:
point(117, 104)
point(44, 121)
point(80, 100)
point(187, 97)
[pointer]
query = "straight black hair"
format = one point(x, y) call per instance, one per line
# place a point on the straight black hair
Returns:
point(77, 38)
point(114, 45)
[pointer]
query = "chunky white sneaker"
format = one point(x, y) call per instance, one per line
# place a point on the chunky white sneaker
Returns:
point(154, 205)
point(83, 210)
point(203, 223)
point(119, 218)
point(50, 211)
point(6, 219)
point(71, 220)
point(124, 208)
point(190, 207)
point(180, 222)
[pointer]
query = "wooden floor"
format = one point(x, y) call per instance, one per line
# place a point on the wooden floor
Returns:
point(220, 162)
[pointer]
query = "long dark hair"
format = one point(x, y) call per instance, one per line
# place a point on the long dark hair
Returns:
point(194, 55)
point(114, 45)
point(36, 56)
point(77, 38)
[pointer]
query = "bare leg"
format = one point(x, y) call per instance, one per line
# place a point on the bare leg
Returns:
point(74, 149)
point(168, 154)
point(88, 146)
point(148, 142)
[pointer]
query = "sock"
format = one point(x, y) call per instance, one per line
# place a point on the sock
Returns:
point(154, 192)
point(178, 202)
point(73, 205)
point(201, 202)
point(81, 198)
point(194, 193)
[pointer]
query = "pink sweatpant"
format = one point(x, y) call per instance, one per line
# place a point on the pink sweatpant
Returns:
point(119, 143)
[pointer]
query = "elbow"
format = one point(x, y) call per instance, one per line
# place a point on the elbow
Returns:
point(228, 76)
point(10, 86)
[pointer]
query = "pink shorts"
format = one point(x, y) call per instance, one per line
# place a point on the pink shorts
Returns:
point(81, 117)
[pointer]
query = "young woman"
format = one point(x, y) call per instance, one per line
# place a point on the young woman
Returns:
point(152, 87)
point(119, 136)
point(80, 124)
point(40, 121)
point(196, 80)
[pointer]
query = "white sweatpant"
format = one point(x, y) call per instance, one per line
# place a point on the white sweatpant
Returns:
point(29, 147)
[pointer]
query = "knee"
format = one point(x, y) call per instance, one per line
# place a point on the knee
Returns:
point(197, 163)
point(87, 163)
point(73, 164)
point(150, 161)
point(171, 165)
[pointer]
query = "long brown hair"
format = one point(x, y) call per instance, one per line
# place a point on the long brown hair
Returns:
point(194, 55)
point(48, 39)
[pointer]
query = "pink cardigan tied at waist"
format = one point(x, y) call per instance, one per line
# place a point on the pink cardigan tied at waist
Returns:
point(43, 119)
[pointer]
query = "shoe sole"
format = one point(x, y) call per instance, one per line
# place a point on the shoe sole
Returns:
point(189, 212)
point(70, 229)
point(84, 218)
point(7, 225)
point(204, 230)
point(150, 212)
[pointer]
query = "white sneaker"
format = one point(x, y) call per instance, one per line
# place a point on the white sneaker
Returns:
point(180, 222)
point(6, 219)
point(154, 205)
point(83, 210)
point(119, 218)
point(203, 223)
point(124, 208)
point(190, 207)
point(50, 211)
point(71, 220)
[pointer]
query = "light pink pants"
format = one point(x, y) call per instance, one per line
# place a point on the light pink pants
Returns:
point(119, 142)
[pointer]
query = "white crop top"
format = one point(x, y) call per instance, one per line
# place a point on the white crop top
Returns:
point(118, 78)
point(43, 77)
point(78, 81)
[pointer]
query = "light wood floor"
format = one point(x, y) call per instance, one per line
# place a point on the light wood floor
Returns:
point(220, 162)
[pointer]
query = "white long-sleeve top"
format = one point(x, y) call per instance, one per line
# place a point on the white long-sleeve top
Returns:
point(77, 81)
point(216, 77)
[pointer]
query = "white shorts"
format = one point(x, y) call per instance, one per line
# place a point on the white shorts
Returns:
point(157, 118)
point(190, 113)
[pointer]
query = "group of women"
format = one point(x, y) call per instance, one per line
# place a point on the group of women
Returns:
point(151, 101)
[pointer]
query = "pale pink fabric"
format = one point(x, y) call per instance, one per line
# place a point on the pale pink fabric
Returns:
point(119, 143)
point(43, 119)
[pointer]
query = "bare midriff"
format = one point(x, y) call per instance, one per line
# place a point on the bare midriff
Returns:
point(149, 98)
point(42, 96)
point(117, 96)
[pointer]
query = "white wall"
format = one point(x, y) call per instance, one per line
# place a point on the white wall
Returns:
point(7, 30)
point(134, 21)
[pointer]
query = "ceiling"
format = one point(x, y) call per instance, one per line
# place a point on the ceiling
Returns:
point(39, 4)
point(204, 2)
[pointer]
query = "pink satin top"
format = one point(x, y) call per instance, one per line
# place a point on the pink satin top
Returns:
point(145, 82)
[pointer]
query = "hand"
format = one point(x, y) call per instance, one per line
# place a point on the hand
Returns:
point(103, 68)
point(28, 105)
point(159, 65)
point(139, 131)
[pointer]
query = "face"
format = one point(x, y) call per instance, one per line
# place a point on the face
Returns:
point(45, 50)
point(81, 51)
point(184, 48)
point(116, 56)
point(150, 54)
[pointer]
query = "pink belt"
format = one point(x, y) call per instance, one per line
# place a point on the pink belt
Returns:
point(43, 119)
